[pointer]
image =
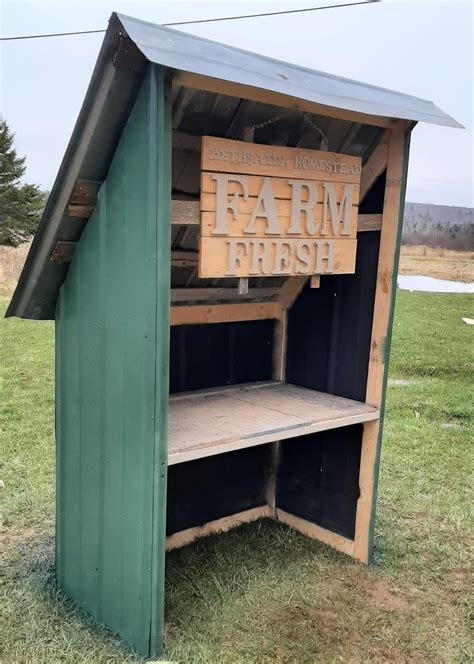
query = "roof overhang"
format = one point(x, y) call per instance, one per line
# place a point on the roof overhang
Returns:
point(200, 64)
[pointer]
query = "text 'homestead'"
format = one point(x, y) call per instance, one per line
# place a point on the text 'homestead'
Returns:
point(268, 210)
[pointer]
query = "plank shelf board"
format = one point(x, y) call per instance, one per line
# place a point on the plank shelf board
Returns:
point(218, 420)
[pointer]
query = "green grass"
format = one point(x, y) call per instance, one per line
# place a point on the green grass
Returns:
point(263, 593)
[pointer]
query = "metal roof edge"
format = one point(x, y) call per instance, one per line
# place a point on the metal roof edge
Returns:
point(46, 233)
point(431, 113)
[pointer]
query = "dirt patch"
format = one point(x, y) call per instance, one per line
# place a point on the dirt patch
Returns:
point(458, 577)
point(354, 651)
point(315, 615)
point(385, 597)
point(12, 539)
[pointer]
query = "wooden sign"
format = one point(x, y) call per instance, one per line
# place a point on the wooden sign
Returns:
point(269, 210)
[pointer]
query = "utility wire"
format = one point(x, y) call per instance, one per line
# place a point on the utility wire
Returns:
point(52, 34)
point(202, 20)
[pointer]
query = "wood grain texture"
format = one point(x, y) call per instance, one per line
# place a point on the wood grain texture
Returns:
point(215, 251)
point(199, 82)
point(185, 213)
point(223, 313)
point(391, 219)
point(80, 211)
point(210, 294)
point(237, 226)
point(280, 188)
point(313, 531)
point(278, 161)
point(369, 222)
point(290, 291)
point(213, 423)
point(221, 525)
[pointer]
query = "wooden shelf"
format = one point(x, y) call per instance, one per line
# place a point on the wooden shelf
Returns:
point(214, 421)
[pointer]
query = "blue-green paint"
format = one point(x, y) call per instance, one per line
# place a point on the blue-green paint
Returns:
point(112, 334)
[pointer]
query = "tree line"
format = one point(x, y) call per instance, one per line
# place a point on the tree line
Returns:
point(21, 204)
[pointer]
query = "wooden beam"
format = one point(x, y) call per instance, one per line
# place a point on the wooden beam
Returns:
point(313, 531)
point(85, 192)
point(290, 291)
point(369, 222)
point(374, 166)
point(63, 252)
point(222, 525)
point(195, 294)
point(185, 213)
point(198, 82)
point(184, 258)
point(224, 313)
point(380, 340)
point(83, 198)
point(80, 211)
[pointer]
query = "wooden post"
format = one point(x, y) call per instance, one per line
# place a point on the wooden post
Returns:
point(392, 218)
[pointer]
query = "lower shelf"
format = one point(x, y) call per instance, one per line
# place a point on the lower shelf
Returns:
point(208, 422)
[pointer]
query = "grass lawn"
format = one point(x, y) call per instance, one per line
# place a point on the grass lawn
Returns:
point(263, 593)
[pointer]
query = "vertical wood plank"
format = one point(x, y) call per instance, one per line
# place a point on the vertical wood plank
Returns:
point(279, 373)
point(392, 218)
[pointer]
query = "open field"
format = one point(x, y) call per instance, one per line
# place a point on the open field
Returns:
point(438, 263)
point(263, 593)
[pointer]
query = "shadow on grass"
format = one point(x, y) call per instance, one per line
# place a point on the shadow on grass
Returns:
point(38, 618)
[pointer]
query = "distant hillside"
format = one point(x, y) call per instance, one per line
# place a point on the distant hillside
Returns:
point(438, 226)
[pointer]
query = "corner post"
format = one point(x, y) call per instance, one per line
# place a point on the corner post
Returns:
point(159, 199)
point(390, 238)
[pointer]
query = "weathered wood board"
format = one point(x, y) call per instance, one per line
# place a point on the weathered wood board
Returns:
point(270, 210)
point(230, 257)
point(226, 156)
point(224, 419)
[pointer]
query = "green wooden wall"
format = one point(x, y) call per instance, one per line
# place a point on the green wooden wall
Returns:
point(112, 341)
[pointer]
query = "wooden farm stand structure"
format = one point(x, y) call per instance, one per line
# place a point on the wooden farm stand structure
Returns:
point(195, 388)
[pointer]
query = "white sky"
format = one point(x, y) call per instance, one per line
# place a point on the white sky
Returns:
point(423, 48)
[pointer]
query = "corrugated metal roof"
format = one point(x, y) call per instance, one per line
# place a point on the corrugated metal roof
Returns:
point(128, 45)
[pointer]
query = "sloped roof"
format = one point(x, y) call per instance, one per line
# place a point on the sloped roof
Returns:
point(127, 47)
point(185, 52)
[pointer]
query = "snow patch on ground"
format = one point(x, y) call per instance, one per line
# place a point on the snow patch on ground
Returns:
point(400, 382)
point(415, 282)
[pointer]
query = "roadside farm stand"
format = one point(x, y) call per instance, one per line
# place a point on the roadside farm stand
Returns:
point(219, 252)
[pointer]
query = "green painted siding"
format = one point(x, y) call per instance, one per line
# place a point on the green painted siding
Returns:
point(112, 334)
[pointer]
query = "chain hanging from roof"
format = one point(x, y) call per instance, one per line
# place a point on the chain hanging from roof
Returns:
point(306, 117)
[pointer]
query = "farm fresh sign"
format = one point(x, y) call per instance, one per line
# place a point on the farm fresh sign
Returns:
point(268, 210)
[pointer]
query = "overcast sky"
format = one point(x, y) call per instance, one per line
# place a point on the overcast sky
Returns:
point(423, 48)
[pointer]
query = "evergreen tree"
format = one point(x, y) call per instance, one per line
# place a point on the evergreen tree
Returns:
point(21, 205)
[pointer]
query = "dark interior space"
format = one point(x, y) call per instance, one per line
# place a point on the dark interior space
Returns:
point(329, 328)
point(216, 486)
point(318, 478)
point(220, 354)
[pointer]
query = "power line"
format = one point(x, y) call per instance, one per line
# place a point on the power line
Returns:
point(287, 11)
point(52, 34)
point(202, 20)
